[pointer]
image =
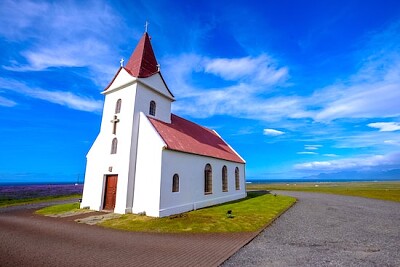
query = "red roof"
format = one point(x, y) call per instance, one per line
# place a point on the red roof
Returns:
point(186, 136)
point(142, 63)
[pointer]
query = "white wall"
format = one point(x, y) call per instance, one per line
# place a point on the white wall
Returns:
point(146, 94)
point(100, 159)
point(190, 169)
point(148, 170)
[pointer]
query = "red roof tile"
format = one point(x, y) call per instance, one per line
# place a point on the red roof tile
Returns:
point(142, 63)
point(186, 136)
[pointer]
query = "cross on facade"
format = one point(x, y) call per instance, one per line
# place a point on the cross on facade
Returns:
point(122, 62)
point(115, 121)
point(146, 26)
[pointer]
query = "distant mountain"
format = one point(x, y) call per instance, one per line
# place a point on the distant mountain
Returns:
point(356, 176)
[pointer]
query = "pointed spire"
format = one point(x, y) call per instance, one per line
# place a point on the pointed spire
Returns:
point(143, 62)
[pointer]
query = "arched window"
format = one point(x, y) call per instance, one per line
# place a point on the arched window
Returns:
point(208, 179)
point(224, 179)
point(118, 106)
point(114, 145)
point(152, 110)
point(237, 180)
point(175, 183)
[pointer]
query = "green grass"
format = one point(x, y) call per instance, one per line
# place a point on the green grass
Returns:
point(14, 202)
point(377, 190)
point(249, 215)
point(57, 209)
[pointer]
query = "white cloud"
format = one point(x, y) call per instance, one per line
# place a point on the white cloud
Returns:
point(312, 147)
point(68, 99)
point(385, 126)
point(7, 102)
point(356, 163)
point(272, 132)
point(373, 91)
point(63, 98)
point(362, 100)
point(241, 98)
point(330, 155)
point(63, 34)
point(392, 142)
point(307, 153)
point(259, 68)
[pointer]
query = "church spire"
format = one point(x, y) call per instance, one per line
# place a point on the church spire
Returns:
point(143, 63)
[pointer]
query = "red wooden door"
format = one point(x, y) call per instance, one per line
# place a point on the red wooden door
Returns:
point(111, 192)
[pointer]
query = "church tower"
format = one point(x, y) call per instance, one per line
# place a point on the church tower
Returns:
point(137, 89)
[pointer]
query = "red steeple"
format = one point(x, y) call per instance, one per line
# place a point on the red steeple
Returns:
point(142, 62)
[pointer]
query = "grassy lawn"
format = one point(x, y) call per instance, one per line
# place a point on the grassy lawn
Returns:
point(249, 215)
point(378, 190)
point(13, 202)
point(57, 209)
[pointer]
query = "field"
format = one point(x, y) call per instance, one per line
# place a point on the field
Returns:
point(21, 194)
point(378, 190)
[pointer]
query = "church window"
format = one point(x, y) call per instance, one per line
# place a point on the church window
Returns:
point(208, 179)
point(118, 106)
point(152, 110)
point(224, 179)
point(114, 145)
point(175, 183)
point(237, 180)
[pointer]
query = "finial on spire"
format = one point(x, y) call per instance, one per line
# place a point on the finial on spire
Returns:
point(122, 62)
point(146, 26)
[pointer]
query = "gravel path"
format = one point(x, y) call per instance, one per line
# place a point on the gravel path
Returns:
point(327, 230)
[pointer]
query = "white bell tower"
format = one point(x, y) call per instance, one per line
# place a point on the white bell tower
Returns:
point(137, 88)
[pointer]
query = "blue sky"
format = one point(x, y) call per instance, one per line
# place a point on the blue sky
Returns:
point(298, 88)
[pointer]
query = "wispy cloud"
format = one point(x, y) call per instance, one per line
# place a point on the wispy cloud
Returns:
point(259, 69)
point(64, 98)
point(241, 98)
point(385, 126)
point(370, 92)
point(357, 163)
point(68, 35)
point(392, 142)
point(373, 91)
point(312, 147)
point(272, 132)
point(307, 153)
point(330, 155)
point(7, 102)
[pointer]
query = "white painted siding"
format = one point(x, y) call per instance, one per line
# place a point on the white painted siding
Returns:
point(190, 169)
point(157, 83)
point(148, 170)
point(100, 159)
point(163, 104)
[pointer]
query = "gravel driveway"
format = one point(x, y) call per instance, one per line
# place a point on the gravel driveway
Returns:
point(328, 230)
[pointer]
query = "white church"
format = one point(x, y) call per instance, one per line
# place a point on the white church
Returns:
point(146, 159)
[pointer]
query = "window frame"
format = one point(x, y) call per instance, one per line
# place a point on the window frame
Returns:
point(237, 178)
point(152, 108)
point(224, 179)
point(208, 179)
point(114, 146)
point(118, 106)
point(175, 183)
